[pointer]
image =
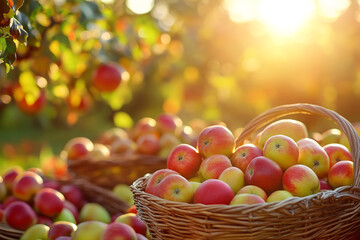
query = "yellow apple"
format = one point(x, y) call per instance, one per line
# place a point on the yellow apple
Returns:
point(234, 177)
point(246, 198)
point(252, 189)
point(279, 195)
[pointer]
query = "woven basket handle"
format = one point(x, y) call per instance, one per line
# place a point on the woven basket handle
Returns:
point(275, 113)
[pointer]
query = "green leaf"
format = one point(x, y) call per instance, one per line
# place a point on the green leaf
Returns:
point(2, 45)
point(17, 31)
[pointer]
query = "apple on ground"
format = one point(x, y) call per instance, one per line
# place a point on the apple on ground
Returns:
point(264, 173)
point(175, 187)
point(234, 177)
point(246, 198)
point(49, 202)
point(281, 149)
point(148, 144)
point(20, 215)
point(37, 231)
point(341, 174)
point(300, 181)
point(213, 191)
point(184, 159)
point(213, 166)
point(337, 152)
point(117, 230)
point(279, 195)
point(314, 156)
point(156, 178)
point(252, 189)
point(133, 221)
point(243, 154)
point(216, 139)
point(107, 76)
point(89, 230)
point(94, 212)
point(26, 185)
point(289, 127)
point(61, 228)
point(78, 147)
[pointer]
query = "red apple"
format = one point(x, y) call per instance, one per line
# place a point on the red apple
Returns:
point(337, 152)
point(8, 200)
point(324, 185)
point(20, 215)
point(252, 189)
point(243, 154)
point(300, 181)
point(188, 135)
point(9, 177)
point(133, 221)
point(44, 220)
point(78, 147)
point(168, 123)
point(141, 237)
point(107, 77)
point(61, 228)
point(49, 202)
point(156, 178)
point(73, 194)
point(26, 185)
point(184, 159)
point(216, 139)
point(213, 191)
point(146, 125)
point(175, 187)
point(264, 173)
point(246, 198)
point(148, 144)
point(341, 174)
point(132, 209)
point(116, 230)
point(213, 166)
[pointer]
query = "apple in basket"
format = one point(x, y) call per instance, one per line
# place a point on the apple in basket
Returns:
point(148, 144)
point(216, 139)
point(49, 202)
point(78, 147)
point(61, 228)
point(337, 152)
point(264, 173)
point(20, 215)
point(314, 156)
point(279, 195)
point(213, 166)
point(26, 185)
point(37, 231)
point(300, 181)
point(246, 198)
point(175, 187)
point(252, 189)
point(213, 191)
point(156, 178)
point(234, 177)
point(243, 154)
point(341, 174)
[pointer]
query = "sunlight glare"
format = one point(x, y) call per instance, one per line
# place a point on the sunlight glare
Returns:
point(140, 6)
point(332, 9)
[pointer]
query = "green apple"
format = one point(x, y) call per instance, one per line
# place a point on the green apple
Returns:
point(123, 192)
point(65, 215)
point(94, 212)
point(89, 230)
point(37, 231)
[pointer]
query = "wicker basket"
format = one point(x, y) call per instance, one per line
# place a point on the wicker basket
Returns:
point(91, 193)
point(108, 172)
point(333, 214)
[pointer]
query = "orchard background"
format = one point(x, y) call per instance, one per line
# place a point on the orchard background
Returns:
point(210, 59)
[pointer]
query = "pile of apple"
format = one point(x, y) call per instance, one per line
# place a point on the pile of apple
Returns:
point(149, 136)
point(279, 163)
point(46, 209)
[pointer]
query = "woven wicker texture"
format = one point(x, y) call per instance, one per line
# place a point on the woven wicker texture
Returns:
point(115, 169)
point(333, 214)
point(91, 192)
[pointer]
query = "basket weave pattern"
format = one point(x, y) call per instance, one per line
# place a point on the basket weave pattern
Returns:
point(333, 214)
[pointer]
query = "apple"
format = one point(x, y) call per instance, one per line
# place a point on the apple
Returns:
point(113, 134)
point(146, 125)
point(337, 152)
point(49, 202)
point(61, 228)
point(78, 147)
point(195, 185)
point(51, 184)
point(118, 230)
point(148, 144)
point(281, 149)
point(196, 178)
point(330, 136)
point(252, 189)
point(89, 230)
point(72, 208)
point(37, 231)
point(8, 200)
point(324, 185)
point(156, 178)
point(341, 174)
point(107, 77)
point(141, 237)
point(234, 177)
point(132, 209)
point(289, 127)
point(123, 192)
point(78, 101)
point(279, 195)
point(44, 220)
point(94, 212)
point(123, 146)
point(168, 123)
point(213, 166)
point(65, 215)
point(133, 221)
point(73, 194)
point(30, 102)
point(3, 190)
point(314, 156)
point(184, 159)
point(26, 185)
point(20, 215)
point(300, 181)
point(264, 173)
point(10, 175)
point(216, 139)
point(213, 191)
point(188, 136)
point(246, 198)
point(175, 187)
point(244, 154)
point(100, 151)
